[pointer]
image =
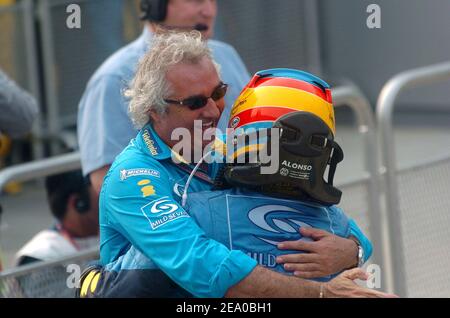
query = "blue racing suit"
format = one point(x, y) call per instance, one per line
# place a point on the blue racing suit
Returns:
point(255, 223)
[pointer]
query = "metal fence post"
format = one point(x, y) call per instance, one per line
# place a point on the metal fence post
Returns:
point(27, 7)
point(351, 96)
point(384, 112)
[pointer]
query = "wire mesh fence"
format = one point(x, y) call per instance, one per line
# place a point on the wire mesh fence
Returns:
point(262, 43)
point(50, 279)
point(424, 193)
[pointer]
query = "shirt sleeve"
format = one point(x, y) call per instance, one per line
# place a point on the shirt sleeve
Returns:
point(18, 109)
point(363, 240)
point(144, 211)
point(104, 128)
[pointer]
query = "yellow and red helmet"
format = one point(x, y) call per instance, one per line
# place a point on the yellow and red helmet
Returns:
point(299, 104)
point(273, 93)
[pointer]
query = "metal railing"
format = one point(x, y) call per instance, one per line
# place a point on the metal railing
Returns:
point(88, 254)
point(351, 96)
point(40, 168)
point(384, 112)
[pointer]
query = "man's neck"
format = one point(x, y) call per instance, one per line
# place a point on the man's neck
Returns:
point(150, 27)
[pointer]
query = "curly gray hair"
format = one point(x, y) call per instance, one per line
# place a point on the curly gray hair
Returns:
point(149, 86)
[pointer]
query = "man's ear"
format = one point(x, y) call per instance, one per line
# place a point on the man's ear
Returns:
point(154, 116)
point(78, 203)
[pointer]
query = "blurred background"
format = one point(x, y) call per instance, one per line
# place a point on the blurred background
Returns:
point(328, 38)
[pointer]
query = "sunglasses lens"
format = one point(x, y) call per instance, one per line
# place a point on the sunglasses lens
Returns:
point(197, 102)
point(219, 92)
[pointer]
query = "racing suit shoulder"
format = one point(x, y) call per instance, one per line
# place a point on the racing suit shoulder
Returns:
point(255, 223)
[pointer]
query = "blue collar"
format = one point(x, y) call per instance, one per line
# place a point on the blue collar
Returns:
point(149, 141)
point(145, 39)
point(152, 144)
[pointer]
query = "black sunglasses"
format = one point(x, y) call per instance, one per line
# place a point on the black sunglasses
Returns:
point(199, 101)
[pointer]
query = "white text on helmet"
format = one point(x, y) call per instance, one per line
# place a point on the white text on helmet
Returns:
point(297, 166)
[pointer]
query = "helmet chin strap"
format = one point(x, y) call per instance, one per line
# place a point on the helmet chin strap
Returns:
point(191, 175)
point(336, 157)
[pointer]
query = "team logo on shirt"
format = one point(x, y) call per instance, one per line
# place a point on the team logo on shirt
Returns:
point(146, 188)
point(276, 220)
point(162, 211)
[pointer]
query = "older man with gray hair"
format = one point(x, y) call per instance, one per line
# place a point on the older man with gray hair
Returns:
point(150, 246)
point(104, 128)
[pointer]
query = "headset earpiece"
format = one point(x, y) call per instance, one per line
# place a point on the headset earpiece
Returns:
point(82, 203)
point(154, 10)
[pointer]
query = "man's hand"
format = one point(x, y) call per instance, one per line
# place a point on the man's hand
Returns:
point(343, 286)
point(327, 254)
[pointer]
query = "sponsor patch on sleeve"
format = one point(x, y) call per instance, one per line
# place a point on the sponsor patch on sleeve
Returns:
point(125, 174)
point(162, 211)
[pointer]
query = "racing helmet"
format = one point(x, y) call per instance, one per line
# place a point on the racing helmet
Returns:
point(299, 104)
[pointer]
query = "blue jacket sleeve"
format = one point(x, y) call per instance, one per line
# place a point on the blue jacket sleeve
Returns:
point(143, 210)
point(363, 240)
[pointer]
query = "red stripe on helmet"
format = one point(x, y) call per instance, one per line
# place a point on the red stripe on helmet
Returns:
point(262, 113)
point(292, 83)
